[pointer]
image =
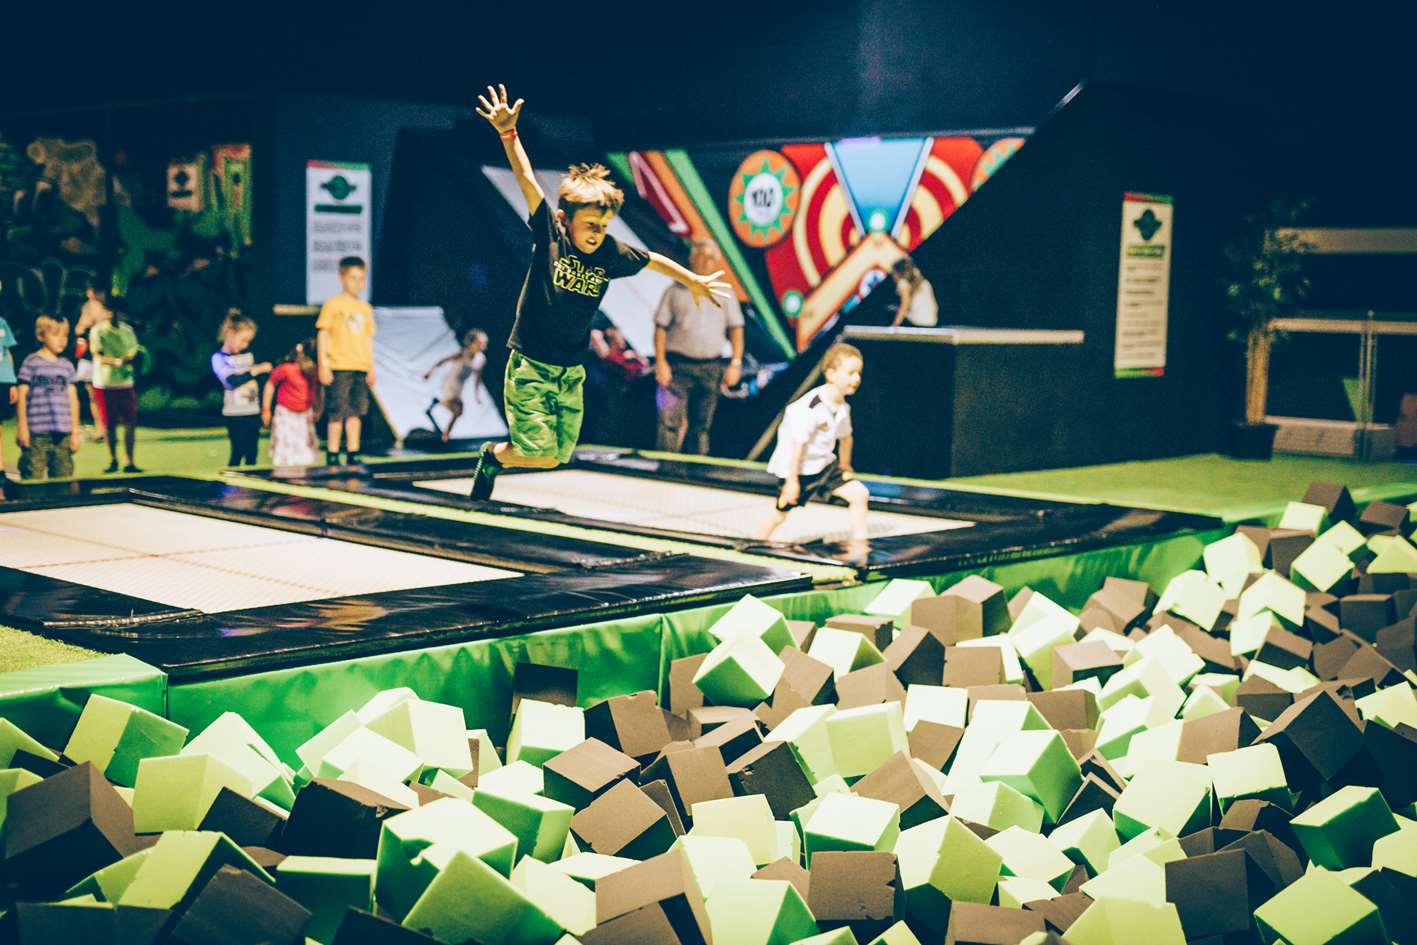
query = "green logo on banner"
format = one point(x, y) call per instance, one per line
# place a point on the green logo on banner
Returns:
point(340, 188)
point(1147, 224)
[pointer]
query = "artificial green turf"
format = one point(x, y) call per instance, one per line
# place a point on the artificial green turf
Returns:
point(21, 650)
point(184, 451)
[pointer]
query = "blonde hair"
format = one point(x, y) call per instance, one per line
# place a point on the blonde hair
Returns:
point(588, 185)
point(838, 353)
point(235, 321)
point(44, 324)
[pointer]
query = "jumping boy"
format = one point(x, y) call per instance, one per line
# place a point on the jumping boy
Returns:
point(573, 260)
point(345, 349)
point(812, 459)
point(467, 362)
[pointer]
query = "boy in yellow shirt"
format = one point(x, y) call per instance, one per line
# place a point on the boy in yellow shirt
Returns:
point(346, 360)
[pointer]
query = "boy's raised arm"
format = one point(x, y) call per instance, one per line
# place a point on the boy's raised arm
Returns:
point(503, 116)
point(708, 286)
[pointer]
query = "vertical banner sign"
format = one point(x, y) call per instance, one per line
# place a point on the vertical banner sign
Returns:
point(1143, 286)
point(338, 200)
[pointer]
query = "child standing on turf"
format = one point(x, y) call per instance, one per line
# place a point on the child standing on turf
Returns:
point(8, 393)
point(812, 459)
point(466, 363)
point(236, 370)
point(573, 260)
point(293, 389)
point(114, 347)
point(346, 358)
point(48, 405)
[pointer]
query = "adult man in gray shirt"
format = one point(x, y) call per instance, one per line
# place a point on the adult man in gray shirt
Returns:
point(688, 351)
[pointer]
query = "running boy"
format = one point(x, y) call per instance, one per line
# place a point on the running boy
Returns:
point(48, 405)
point(114, 348)
point(345, 348)
point(466, 363)
point(812, 459)
point(573, 260)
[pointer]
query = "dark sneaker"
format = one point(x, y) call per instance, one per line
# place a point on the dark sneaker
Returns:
point(112, 467)
point(485, 475)
point(130, 468)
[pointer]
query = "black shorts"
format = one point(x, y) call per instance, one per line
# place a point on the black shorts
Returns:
point(6, 409)
point(347, 395)
point(819, 485)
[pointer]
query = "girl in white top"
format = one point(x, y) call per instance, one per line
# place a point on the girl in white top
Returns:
point(813, 454)
point(466, 363)
point(917, 296)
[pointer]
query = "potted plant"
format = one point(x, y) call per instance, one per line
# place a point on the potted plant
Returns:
point(1265, 281)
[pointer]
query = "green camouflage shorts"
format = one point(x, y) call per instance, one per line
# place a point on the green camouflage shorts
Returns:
point(545, 406)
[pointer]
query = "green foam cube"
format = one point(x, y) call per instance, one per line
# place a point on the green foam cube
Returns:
point(747, 818)
point(1172, 655)
point(1339, 831)
point(1230, 561)
point(1126, 922)
point(434, 732)
point(805, 730)
point(318, 745)
point(518, 777)
point(751, 618)
point(109, 884)
point(843, 650)
point(1304, 517)
point(1320, 567)
point(713, 859)
point(1036, 641)
point(539, 823)
point(1396, 556)
point(1119, 723)
point(231, 739)
point(327, 886)
point(1247, 634)
point(1397, 850)
point(1025, 853)
point(1161, 743)
point(1253, 771)
point(487, 758)
point(115, 736)
point(503, 914)
point(589, 868)
point(12, 780)
point(1090, 840)
point(445, 783)
point(1039, 765)
point(759, 912)
point(1344, 537)
point(841, 936)
point(850, 822)
point(415, 844)
point(1318, 909)
point(864, 737)
point(1202, 702)
point(1194, 596)
point(997, 805)
point(947, 705)
point(13, 739)
point(373, 753)
point(174, 792)
point(943, 861)
point(1014, 891)
point(739, 672)
point(179, 865)
point(1041, 607)
point(896, 598)
point(542, 730)
point(1172, 797)
point(382, 701)
point(1274, 594)
point(1391, 706)
point(571, 904)
point(897, 934)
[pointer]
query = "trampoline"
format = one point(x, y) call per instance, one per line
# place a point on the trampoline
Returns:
point(681, 507)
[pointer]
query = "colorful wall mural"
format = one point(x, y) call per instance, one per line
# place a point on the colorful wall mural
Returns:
point(808, 229)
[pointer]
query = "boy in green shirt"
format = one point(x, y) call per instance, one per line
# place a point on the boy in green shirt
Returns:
point(114, 347)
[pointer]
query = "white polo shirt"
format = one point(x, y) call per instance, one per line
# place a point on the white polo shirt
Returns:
point(814, 421)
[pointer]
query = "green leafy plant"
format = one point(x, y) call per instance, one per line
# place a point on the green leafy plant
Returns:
point(1265, 281)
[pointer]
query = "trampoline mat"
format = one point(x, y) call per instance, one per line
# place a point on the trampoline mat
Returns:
point(208, 564)
point(633, 500)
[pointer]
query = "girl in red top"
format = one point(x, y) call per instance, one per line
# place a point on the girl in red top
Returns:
point(295, 391)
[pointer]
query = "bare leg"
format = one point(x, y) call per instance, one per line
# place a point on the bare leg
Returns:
point(856, 496)
point(456, 409)
point(778, 517)
point(332, 435)
point(352, 428)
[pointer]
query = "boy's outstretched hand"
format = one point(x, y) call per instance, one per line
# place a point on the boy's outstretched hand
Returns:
point(710, 287)
point(498, 110)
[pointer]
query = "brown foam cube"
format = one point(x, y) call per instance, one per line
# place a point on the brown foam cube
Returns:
point(1384, 518)
point(801, 632)
point(1367, 663)
point(1213, 650)
point(981, 609)
point(1224, 731)
point(234, 900)
point(1262, 698)
point(64, 828)
point(624, 821)
point(810, 679)
point(1095, 794)
point(998, 692)
point(879, 630)
point(934, 743)
point(1251, 814)
point(967, 666)
point(358, 927)
point(705, 719)
point(1073, 662)
point(338, 819)
point(772, 770)
point(1336, 500)
point(1216, 893)
point(900, 781)
point(1060, 912)
point(1386, 759)
point(580, 774)
point(869, 686)
point(632, 724)
point(733, 739)
point(1331, 657)
point(856, 889)
point(1366, 614)
point(972, 923)
point(554, 684)
point(658, 791)
point(1284, 649)
point(1127, 602)
point(1316, 737)
point(665, 884)
point(1277, 860)
point(683, 694)
point(1398, 643)
point(789, 870)
point(247, 822)
point(917, 655)
point(692, 775)
point(1066, 708)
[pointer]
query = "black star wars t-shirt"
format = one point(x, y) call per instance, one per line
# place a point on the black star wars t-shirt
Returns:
point(563, 290)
